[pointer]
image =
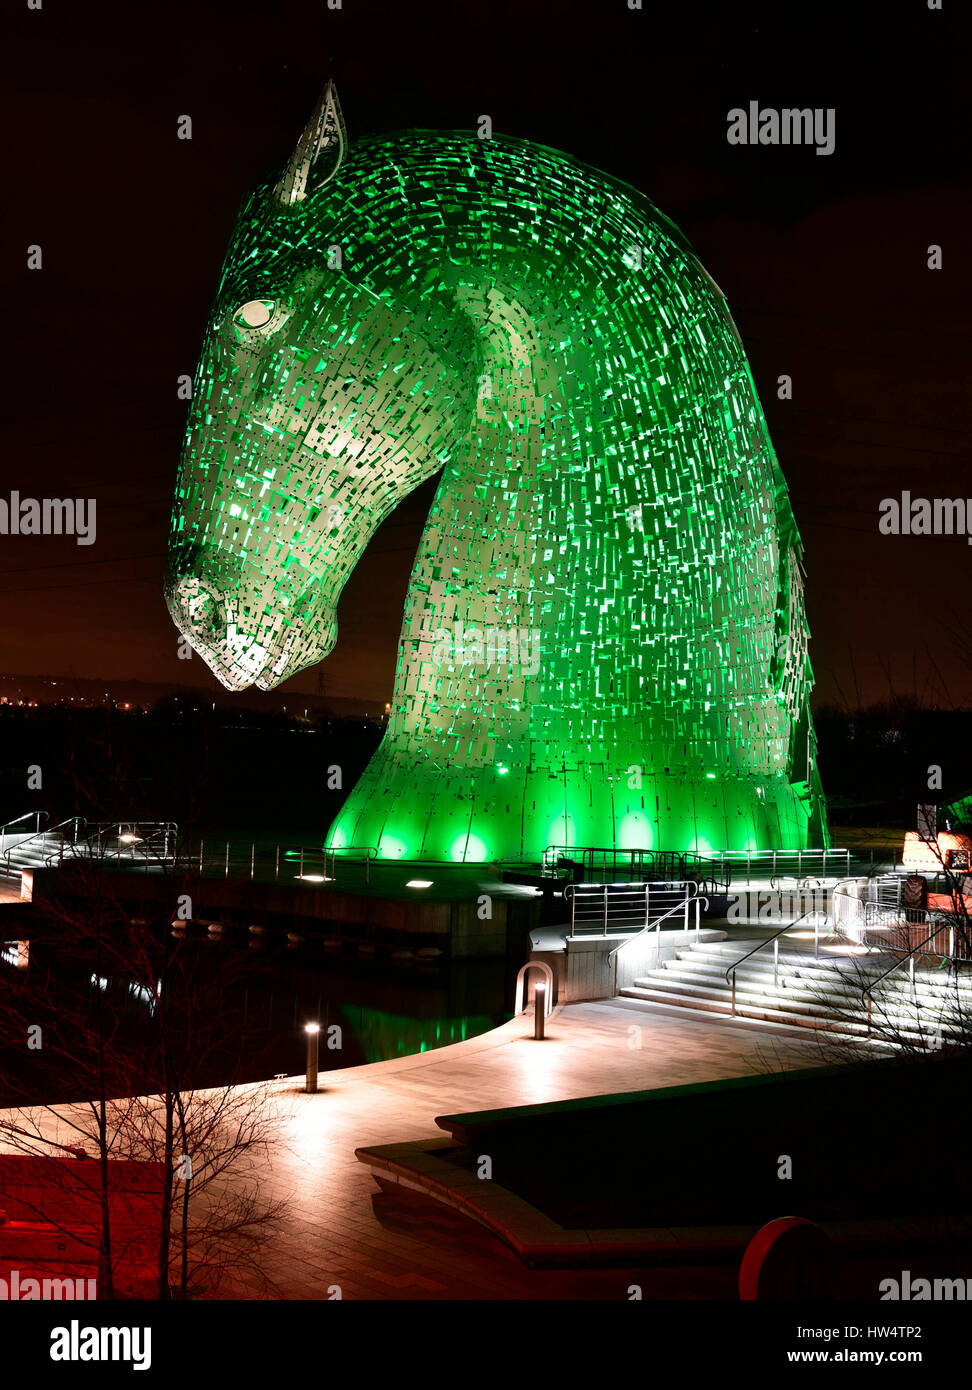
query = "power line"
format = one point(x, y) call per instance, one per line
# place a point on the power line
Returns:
point(868, 444)
point(870, 420)
point(831, 317)
point(78, 564)
point(831, 347)
point(53, 588)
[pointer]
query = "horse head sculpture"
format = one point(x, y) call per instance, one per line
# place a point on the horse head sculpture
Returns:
point(604, 640)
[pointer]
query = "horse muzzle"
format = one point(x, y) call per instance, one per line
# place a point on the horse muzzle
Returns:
point(217, 630)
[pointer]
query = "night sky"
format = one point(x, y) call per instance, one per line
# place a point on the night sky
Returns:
point(822, 260)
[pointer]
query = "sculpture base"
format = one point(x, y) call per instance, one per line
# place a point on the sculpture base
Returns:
point(413, 809)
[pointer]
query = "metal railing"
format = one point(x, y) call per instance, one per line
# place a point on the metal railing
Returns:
point(609, 864)
point(599, 863)
point(776, 864)
point(598, 907)
point(273, 862)
point(153, 845)
point(715, 866)
point(78, 838)
point(369, 852)
point(217, 858)
point(136, 844)
point(36, 816)
point(131, 840)
point(208, 857)
point(869, 912)
point(73, 821)
point(910, 958)
point(655, 926)
point(889, 928)
point(604, 863)
point(773, 941)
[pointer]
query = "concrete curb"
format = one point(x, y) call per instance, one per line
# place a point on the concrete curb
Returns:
point(541, 1243)
point(538, 1240)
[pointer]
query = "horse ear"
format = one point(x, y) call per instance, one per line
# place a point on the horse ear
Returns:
point(318, 153)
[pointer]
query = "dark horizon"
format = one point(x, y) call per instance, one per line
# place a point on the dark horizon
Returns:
point(822, 260)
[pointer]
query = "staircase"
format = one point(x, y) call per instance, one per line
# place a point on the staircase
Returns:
point(34, 851)
point(822, 994)
point(122, 844)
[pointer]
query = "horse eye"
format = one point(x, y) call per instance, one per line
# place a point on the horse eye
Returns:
point(255, 313)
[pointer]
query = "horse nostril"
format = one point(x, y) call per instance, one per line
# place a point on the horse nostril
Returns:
point(203, 609)
point(204, 615)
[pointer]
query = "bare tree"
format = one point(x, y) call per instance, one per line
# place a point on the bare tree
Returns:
point(154, 1042)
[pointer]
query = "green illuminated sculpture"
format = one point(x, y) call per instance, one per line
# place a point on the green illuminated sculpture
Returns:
point(604, 641)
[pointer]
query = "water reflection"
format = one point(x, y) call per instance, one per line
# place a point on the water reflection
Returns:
point(259, 1003)
point(383, 1035)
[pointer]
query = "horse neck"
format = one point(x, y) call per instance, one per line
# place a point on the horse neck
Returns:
point(498, 518)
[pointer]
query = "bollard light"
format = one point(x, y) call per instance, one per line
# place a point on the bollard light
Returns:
point(313, 1031)
point(539, 1010)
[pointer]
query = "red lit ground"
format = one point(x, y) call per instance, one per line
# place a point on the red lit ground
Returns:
point(341, 1231)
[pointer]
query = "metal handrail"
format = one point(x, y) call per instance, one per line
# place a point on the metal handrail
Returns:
point(802, 882)
point(775, 940)
point(634, 886)
point(369, 852)
point(716, 866)
point(654, 926)
point(858, 917)
point(571, 888)
point(99, 825)
point(38, 815)
point(867, 991)
point(71, 820)
point(632, 857)
point(805, 860)
point(213, 856)
point(229, 858)
point(95, 833)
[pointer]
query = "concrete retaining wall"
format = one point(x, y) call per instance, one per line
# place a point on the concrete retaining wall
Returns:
point(584, 968)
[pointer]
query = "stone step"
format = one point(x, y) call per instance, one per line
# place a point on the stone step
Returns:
point(786, 988)
point(695, 990)
point(736, 949)
point(757, 971)
point(758, 1011)
point(830, 980)
point(824, 969)
point(765, 1013)
point(709, 951)
point(790, 960)
point(898, 1012)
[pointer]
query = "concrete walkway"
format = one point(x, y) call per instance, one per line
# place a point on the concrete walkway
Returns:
point(340, 1231)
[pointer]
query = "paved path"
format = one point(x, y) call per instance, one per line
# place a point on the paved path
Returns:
point(339, 1230)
